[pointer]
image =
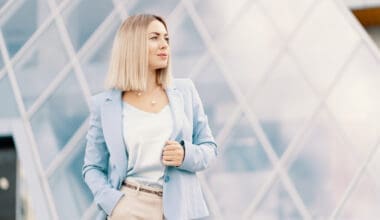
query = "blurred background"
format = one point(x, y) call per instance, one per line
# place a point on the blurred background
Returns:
point(291, 88)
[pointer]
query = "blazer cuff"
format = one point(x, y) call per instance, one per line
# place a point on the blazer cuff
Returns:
point(109, 200)
point(188, 161)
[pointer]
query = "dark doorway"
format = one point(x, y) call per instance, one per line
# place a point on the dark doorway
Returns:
point(8, 173)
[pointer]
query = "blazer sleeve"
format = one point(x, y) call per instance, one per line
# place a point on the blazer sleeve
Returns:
point(203, 149)
point(95, 167)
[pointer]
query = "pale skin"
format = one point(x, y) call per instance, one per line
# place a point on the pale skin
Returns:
point(158, 44)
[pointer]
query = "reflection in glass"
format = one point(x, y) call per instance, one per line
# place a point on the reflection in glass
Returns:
point(58, 119)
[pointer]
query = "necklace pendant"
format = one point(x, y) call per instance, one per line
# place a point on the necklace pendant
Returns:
point(153, 102)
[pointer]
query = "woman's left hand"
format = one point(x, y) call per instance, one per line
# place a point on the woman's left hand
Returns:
point(172, 154)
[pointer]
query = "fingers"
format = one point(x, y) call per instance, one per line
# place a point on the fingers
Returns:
point(171, 142)
point(172, 154)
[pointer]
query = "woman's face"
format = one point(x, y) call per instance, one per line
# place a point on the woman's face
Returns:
point(158, 44)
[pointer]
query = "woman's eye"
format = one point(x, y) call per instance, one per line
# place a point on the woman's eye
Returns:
point(167, 39)
point(154, 38)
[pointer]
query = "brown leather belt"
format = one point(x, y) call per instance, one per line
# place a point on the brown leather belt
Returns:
point(142, 189)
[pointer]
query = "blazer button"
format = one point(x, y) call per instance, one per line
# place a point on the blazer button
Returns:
point(166, 179)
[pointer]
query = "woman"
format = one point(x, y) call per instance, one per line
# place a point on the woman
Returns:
point(148, 134)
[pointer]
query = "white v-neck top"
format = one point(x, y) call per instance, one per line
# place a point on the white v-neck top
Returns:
point(145, 135)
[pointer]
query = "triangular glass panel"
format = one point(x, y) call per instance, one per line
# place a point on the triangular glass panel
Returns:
point(283, 103)
point(277, 204)
point(322, 57)
point(33, 65)
point(82, 25)
point(286, 16)
point(250, 55)
point(218, 18)
point(323, 167)
point(55, 122)
point(26, 18)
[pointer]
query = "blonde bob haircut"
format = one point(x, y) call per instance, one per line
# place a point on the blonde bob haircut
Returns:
point(128, 68)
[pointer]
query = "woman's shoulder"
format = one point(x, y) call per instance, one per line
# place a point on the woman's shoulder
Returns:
point(101, 96)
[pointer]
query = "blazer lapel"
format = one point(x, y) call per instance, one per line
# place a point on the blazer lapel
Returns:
point(177, 109)
point(112, 128)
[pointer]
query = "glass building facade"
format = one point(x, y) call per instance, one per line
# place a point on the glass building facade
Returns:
point(291, 89)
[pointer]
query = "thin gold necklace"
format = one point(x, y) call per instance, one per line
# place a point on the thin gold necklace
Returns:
point(153, 101)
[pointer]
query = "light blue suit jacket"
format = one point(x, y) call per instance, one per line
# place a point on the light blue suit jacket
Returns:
point(106, 158)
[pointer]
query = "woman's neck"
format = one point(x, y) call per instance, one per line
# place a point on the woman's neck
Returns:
point(152, 81)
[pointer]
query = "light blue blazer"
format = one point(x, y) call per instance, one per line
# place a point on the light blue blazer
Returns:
point(106, 158)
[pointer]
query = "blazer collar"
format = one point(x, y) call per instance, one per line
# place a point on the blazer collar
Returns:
point(176, 103)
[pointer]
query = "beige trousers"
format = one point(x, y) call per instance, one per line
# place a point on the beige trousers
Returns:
point(137, 205)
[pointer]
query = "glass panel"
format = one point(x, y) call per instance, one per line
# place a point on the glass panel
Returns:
point(323, 168)
point(83, 18)
point(322, 55)
point(354, 102)
point(187, 47)
point(241, 157)
point(249, 48)
point(161, 8)
point(9, 105)
point(363, 202)
point(59, 118)
point(95, 63)
point(22, 23)
point(277, 205)
point(217, 17)
point(216, 108)
point(33, 66)
point(69, 190)
point(286, 16)
point(2, 3)
point(283, 103)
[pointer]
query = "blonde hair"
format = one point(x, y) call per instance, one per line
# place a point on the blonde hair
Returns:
point(128, 68)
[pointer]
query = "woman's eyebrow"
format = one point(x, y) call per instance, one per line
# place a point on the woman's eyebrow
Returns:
point(157, 33)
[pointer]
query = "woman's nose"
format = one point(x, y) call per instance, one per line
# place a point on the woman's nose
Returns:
point(164, 44)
